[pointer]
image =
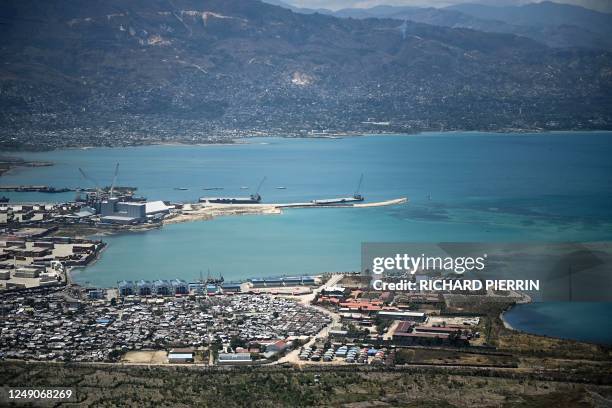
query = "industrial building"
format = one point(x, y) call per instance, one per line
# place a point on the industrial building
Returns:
point(112, 210)
point(95, 294)
point(407, 316)
point(158, 287)
point(155, 209)
point(234, 287)
point(143, 288)
point(285, 281)
point(162, 288)
point(407, 333)
point(126, 288)
point(334, 291)
point(28, 272)
point(180, 287)
point(234, 358)
point(180, 356)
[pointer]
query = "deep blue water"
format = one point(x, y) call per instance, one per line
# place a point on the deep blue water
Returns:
point(582, 321)
point(462, 187)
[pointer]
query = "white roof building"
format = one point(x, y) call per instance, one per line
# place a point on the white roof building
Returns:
point(157, 207)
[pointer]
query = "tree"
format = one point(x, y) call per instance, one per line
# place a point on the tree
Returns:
point(236, 341)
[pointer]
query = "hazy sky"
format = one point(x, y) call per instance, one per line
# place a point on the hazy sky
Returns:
point(600, 5)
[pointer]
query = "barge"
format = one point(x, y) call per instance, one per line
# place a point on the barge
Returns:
point(252, 199)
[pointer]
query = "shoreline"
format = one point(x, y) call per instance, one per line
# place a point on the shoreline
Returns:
point(516, 330)
point(241, 140)
point(524, 299)
point(505, 322)
point(7, 166)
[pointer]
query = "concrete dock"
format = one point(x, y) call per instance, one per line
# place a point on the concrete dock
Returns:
point(395, 201)
point(205, 211)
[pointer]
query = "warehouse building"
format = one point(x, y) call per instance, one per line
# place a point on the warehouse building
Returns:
point(408, 316)
point(162, 288)
point(27, 272)
point(234, 358)
point(156, 209)
point(126, 288)
point(180, 287)
point(143, 288)
point(181, 356)
point(234, 287)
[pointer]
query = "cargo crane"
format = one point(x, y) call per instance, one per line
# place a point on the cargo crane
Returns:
point(256, 196)
point(358, 196)
point(100, 193)
point(112, 188)
point(93, 181)
point(343, 200)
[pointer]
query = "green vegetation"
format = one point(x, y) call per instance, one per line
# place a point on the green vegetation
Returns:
point(115, 385)
point(453, 357)
point(382, 324)
point(236, 342)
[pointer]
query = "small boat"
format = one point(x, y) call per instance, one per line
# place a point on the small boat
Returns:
point(244, 188)
point(181, 188)
point(281, 188)
point(212, 188)
point(4, 199)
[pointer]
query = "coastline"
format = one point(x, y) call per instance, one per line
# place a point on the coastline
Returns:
point(505, 322)
point(523, 299)
point(239, 140)
point(9, 164)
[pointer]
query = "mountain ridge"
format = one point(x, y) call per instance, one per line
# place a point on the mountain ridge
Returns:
point(553, 24)
point(99, 72)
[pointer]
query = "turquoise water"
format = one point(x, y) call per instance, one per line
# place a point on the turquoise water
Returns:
point(582, 321)
point(462, 187)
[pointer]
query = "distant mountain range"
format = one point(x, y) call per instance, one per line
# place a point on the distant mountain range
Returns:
point(554, 24)
point(155, 69)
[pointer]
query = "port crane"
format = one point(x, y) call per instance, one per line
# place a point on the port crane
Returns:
point(91, 180)
point(358, 196)
point(97, 185)
point(256, 195)
point(112, 188)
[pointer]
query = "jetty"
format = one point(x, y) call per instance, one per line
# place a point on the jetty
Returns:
point(316, 204)
point(205, 211)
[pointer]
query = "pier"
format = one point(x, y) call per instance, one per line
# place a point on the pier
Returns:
point(205, 211)
point(395, 201)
